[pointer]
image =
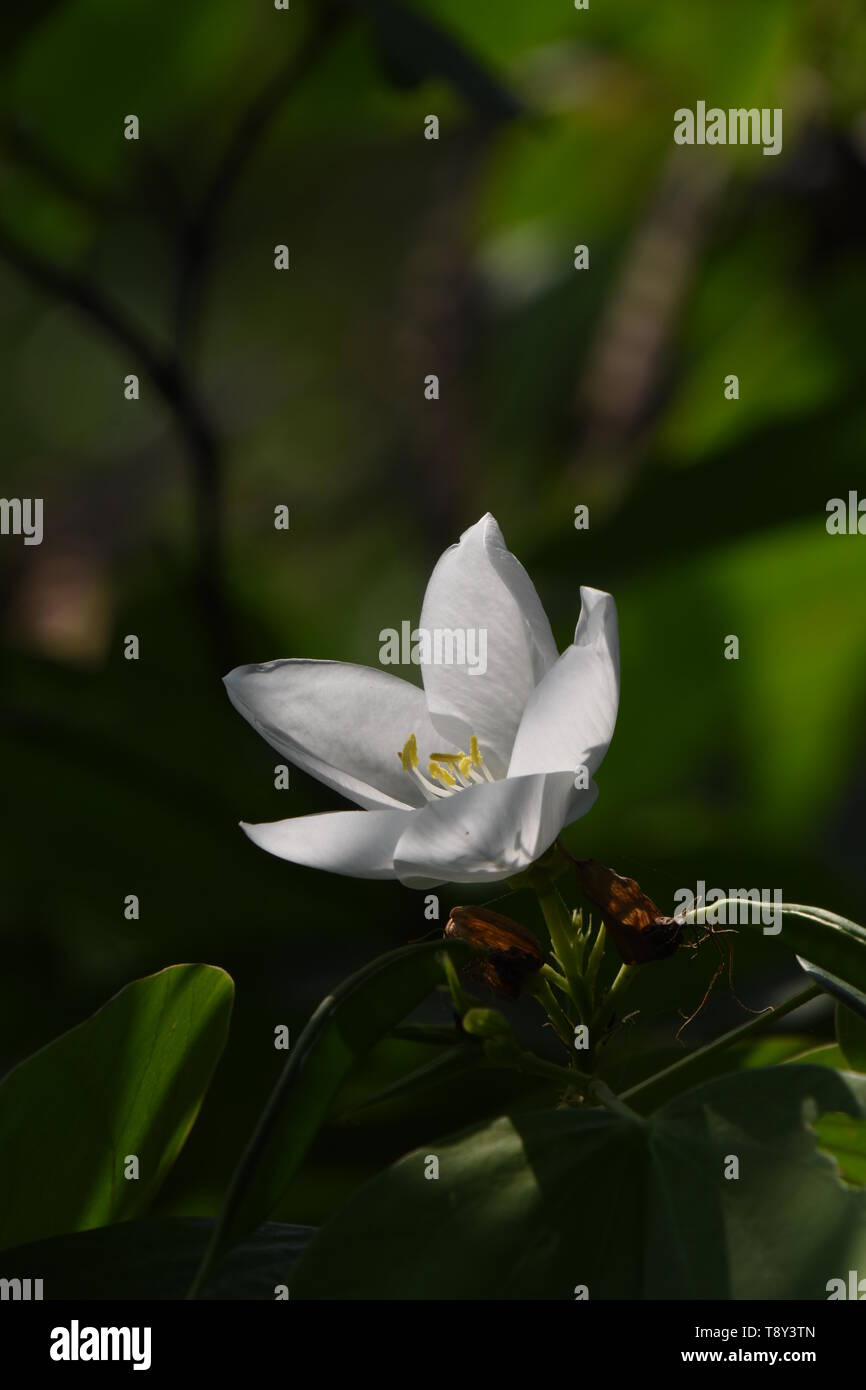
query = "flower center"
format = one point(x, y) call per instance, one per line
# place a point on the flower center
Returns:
point(448, 772)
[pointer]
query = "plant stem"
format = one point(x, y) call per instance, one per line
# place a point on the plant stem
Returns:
point(559, 927)
point(459, 998)
point(613, 1103)
point(528, 1063)
point(694, 1062)
point(596, 956)
point(548, 1001)
point(554, 977)
point(623, 979)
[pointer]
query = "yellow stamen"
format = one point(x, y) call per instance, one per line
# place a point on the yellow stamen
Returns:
point(441, 774)
point(447, 772)
point(409, 756)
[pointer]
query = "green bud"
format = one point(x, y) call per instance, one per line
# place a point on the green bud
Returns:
point(486, 1023)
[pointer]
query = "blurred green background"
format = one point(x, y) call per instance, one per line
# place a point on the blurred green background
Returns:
point(558, 387)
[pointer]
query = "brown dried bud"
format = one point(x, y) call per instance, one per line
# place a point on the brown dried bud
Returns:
point(508, 953)
point(640, 932)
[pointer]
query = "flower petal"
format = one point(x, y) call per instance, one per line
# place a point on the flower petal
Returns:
point(490, 831)
point(344, 724)
point(358, 843)
point(478, 586)
point(570, 717)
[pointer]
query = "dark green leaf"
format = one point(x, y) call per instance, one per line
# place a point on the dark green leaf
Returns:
point(344, 1027)
point(533, 1206)
point(157, 1259)
point(851, 1036)
point(840, 989)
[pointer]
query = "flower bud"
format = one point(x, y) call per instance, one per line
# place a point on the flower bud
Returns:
point(485, 1023)
point(508, 954)
point(640, 931)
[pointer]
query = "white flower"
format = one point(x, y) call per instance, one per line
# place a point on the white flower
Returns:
point(469, 779)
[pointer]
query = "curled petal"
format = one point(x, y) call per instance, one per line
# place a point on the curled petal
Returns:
point(569, 719)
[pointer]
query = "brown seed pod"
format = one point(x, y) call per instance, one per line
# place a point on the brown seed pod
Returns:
point(640, 932)
point(508, 953)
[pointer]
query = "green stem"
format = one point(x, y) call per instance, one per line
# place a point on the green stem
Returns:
point(596, 956)
point(694, 1062)
point(613, 1103)
point(624, 977)
point(561, 1023)
point(554, 977)
point(558, 925)
point(459, 998)
point(528, 1063)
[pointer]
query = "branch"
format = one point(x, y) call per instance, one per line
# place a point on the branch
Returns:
point(168, 377)
point(201, 232)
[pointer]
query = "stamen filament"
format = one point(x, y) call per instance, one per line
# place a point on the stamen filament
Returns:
point(429, 787)
point(447, 772)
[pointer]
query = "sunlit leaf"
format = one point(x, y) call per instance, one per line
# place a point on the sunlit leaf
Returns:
point(125, 1084)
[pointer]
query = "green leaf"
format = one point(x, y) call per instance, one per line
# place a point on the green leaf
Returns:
point(840, 990)
point(824, 1055)
point(157, 1260)
point(765, 1052)
point(129, 1080)
point(344, 1027)
point(844, 1138)
point(533, 1206)
point(851, 1036)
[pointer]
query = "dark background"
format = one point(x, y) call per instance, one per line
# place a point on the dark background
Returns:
point(558, 387)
